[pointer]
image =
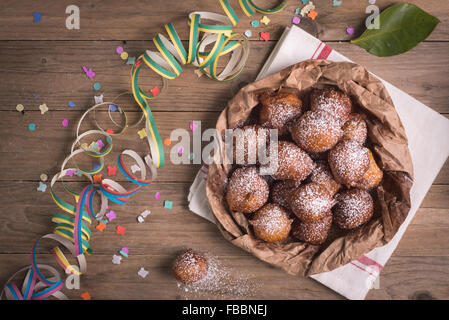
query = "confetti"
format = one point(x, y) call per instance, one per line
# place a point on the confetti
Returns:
point(120, 230)
point(255, 23)
point(304, 1)
point(142, 133)
point(37, 17)
point(248, 33)
point(131, 60)
point(350, 30)
point(112, 107)
point(168, 204)
point(101, 226)
point(43, 108)
point(297, 11)
point(193, 126)
point(157, 195)
point(34, 95)
point(71, 104)
point(111, 171)
point(337, 3)
point(43, 177)
point(296, 20)
point(89, 73)
point(145, 213)
point(97, 178)
point(140, 219)
point(104, 221)
point(167, 142)
point(142, 272)
point(264, 36)
point(85, 296)
point(312, 14)
point(65, 123)
point(265, 20)
point(135, 168)
point(100, 144)
point(124, 55)
point(371, 1)
point(20, 107)
point(124, 252)
point(42, 187)
point(110, 131)
point(31, 127)
point(119, 49)
point(307, 8)
point(97, 86)
point(98, 99)
point(116, 259)
point(111, 215)
point(70, 172)
point(180, 150)
point(155, 91)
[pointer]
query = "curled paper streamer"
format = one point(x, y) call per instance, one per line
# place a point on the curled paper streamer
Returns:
point(72, 231)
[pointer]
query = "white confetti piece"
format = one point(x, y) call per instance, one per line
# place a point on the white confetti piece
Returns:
point(140, 219)
point(98, 99)
point(145, 213)
point(116, 259)
point(142, 272)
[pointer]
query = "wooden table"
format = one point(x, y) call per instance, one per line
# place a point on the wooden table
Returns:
point(45, 58)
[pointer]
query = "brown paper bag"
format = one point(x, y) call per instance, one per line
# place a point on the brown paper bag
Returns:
point(389, 145)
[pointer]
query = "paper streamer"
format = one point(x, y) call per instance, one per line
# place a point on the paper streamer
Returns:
point(72, 231)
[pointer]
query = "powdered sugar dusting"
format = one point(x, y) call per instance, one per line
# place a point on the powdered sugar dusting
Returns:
point(311, 202)
point(333, 101)
point(354, 208)
point(293, 163)
point(271, 222)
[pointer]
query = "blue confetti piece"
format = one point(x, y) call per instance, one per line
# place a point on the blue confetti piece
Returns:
point(131, 60)
point(35, 95)
point(42, 187)
point(255, 23)
point(337, 3)
point(304, 1)
point(112, 107)
point(31, 127)
point(37, 17)
point(71, 104)
point(248, 33)
point(168, 204)
point(97, 86)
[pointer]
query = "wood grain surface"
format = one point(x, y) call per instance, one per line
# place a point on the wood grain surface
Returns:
point(45, 59)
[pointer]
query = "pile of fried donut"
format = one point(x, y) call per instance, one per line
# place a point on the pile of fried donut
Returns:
point(325, 174)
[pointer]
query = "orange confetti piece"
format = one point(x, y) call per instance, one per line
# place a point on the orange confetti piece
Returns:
point(167, 141)
point(85, 296)
point(312, 14)
point(97, 178)
point(101, 226)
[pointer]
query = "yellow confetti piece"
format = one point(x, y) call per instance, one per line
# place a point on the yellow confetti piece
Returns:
point(142, 133)
point(124, 55)
point(43, 108)
point(44, 177)
point(265, 20)
point(20, 107)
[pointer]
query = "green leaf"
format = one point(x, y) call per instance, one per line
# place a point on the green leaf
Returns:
point(402, 27)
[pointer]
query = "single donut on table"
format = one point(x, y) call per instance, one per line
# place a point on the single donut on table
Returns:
point(317, 131)
point(311, 202)
point(312, 232)
point(322, 174)
point(293, 163)
point(281, 190)
point(354, 208)
point(247, 191)
point(190, 267)
point(278, 109)
point(252, 137)
point(372, 177)
point(332, 100)
point(271, 223)
point(355, 128)
point(348, 161)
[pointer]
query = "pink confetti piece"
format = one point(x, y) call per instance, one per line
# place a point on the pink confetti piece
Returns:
point(265, 36)
point(111, 171)
point(125, 250)
point(89, 73)
point(100, 143)
point(296, 20)
point(155, 91)
point(70, 172)
point(350, 30)
point(65, 123)
point(119, 49)
point(111, 215)
point(193, 125)
point(120, 230)
point(157, 195)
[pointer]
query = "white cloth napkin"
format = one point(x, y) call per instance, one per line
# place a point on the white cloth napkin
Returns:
point(427, 132)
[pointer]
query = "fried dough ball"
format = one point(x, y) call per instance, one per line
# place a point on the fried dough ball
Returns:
point(278, 109)
point(348, 161)
point(332, 100)
point(373, 176)
point(252, 136)
point(280, 193)
point(311, 202)
point(293, 163)
point(355, 128)
point(317, 131)
point(322, 174)
point(247, 191)
point(271, 223)
point(312, 232)
point(354, 208)
point(190, 267)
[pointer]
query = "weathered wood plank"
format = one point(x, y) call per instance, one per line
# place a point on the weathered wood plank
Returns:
point(53, 70)
point(140, 20)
